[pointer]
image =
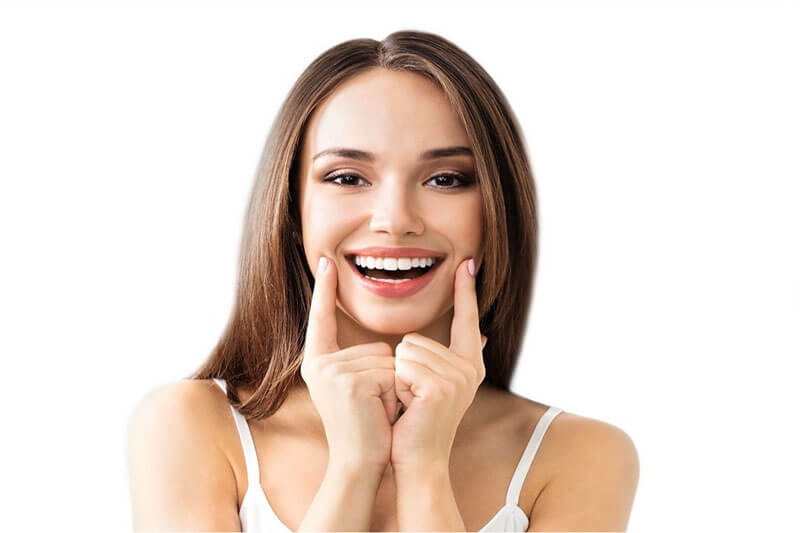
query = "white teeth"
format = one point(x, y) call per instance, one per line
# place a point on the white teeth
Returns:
point(394, 263)
point(392, 281)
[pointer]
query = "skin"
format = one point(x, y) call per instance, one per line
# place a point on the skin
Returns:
point(396, 200)
point(585, 472)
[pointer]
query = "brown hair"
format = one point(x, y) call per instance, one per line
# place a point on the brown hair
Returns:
point(261, 345)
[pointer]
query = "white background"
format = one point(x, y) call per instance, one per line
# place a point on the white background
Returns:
point(664, 142)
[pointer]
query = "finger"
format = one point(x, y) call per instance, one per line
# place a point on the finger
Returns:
point(381, 382)
point(321, 331)
point(483, 341)
point(360, 364)
point(425, 342)
point(360, 350)
point(413, 380)
point(436, 362)
point(382, 377)
point(465, 335)
point(390, 403)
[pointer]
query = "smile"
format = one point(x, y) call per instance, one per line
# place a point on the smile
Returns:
point(393, 282)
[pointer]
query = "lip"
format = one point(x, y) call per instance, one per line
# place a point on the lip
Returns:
point(395, 290)
point(383, 251)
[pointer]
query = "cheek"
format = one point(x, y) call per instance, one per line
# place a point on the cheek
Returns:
point(469, 238)
point(326, 223)
point(462, 222)
point(475, 225)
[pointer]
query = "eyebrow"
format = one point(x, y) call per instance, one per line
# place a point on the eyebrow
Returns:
point(352, 153)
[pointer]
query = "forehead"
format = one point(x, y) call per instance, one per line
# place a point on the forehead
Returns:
point(394, 114)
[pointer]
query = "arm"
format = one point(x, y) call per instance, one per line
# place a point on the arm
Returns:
point(593, 490)
point(179, 478)
point(343, 501)
point(425, 500)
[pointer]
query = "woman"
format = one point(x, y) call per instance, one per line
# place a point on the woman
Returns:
point(363, 379)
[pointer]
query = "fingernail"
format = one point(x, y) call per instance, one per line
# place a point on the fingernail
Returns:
point(323, 264)
point(483, 344)
point(471, 267)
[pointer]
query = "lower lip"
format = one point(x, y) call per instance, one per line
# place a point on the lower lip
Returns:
point(396, 290)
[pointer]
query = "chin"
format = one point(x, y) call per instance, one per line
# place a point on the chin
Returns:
point(389, 323)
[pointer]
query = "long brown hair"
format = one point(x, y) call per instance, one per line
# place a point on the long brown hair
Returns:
point(262, 342)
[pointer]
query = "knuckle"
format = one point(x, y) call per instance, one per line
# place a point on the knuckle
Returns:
point(472, 375)
point(331, 370)
point(309, 367)
point(464, 379)
point(443, 392)
point(384, 348)
point(347, 382)
point(456, 385)
point(481, 373)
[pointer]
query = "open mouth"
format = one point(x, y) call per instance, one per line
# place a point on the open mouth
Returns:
point(392, 276)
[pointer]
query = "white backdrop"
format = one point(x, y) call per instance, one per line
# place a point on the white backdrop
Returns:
point(664, 142)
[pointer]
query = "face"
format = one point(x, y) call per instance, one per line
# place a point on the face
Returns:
point(396, 198)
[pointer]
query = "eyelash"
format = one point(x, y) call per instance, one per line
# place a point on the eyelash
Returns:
point(462, 178)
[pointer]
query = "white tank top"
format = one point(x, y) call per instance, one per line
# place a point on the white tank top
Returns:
point(256, 514)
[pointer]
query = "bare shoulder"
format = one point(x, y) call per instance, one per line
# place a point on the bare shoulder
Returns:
point(188, 395)
point(572, 435)
point(180, 477)
point(593, 472)
point(196, 406)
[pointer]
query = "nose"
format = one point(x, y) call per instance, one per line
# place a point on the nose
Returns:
point(394, 210)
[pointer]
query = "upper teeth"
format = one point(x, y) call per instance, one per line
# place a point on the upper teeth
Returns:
point(394, 263)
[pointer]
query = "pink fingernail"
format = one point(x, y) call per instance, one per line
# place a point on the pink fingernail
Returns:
point(323, 264)
point(471, 267)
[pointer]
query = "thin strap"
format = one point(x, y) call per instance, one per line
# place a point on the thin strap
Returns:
point(250, 457)
point(514, 489)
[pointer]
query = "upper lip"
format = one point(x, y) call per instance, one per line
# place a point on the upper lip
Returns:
point(383, 251)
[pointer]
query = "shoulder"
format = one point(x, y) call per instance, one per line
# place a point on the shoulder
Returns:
point(590, 443)
point(172, 431)
point(592, 476)
point(196, 406)
point(189, 413)
point(183, 394)
point(572, 435)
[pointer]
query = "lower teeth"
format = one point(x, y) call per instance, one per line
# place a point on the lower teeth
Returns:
point(393, 281)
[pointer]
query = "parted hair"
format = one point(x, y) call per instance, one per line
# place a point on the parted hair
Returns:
point(261, 345)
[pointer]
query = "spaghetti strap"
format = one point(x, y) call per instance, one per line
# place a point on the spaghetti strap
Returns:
point(515, 487)
point(246, 438)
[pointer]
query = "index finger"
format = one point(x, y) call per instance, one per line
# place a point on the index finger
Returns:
point(465, 333)
point(321, 331)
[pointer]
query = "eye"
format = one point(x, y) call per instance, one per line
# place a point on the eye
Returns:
point(448, 176)
point(334, 177)
point(349, 180)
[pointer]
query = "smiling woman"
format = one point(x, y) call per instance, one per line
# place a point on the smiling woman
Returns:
point(385, 279)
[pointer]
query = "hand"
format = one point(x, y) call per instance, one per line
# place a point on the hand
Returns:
point(437, 384)
point(352, 389)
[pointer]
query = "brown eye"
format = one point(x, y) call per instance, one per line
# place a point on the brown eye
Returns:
point(444, 179)
point(347, 182)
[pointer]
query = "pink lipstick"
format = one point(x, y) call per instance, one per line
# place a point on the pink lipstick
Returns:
point(399, 288)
